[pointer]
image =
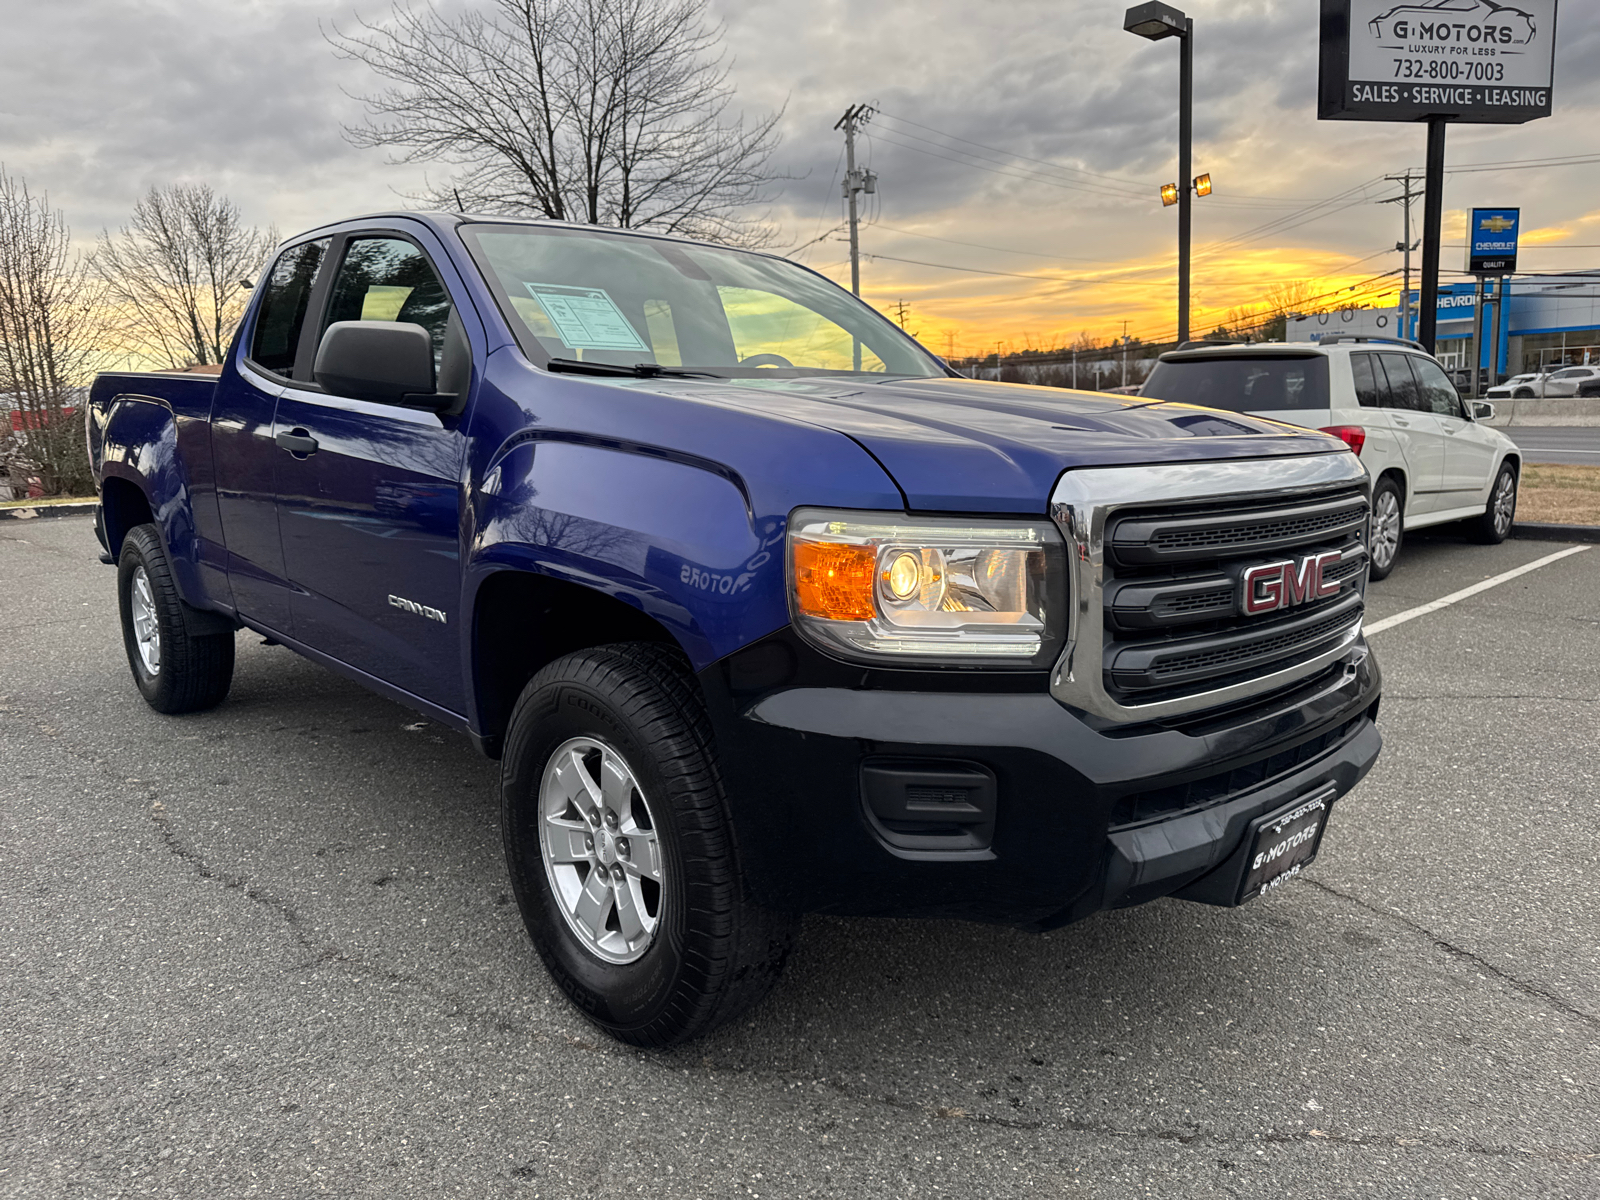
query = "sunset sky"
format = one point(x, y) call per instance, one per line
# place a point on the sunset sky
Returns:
point(1023, 143)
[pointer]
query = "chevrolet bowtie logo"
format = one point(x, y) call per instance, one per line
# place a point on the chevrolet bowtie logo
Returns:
point(1495, 224)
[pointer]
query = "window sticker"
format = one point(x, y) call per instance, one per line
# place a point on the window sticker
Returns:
point(586, 318)
point(383, 303)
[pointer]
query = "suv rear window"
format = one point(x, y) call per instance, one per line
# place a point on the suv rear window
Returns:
point(1242, 384)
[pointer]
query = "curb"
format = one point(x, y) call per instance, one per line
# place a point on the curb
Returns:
point(80, 508)
point(1541, 532)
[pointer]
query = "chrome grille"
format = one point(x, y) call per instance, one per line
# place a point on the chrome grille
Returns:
point(1158, 629)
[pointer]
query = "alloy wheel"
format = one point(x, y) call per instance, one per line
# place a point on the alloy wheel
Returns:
point(1504, 503)
point(146, 628)
point(601, 853)
point(1385, 529)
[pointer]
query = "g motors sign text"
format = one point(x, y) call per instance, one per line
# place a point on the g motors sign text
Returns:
point(1474, 60)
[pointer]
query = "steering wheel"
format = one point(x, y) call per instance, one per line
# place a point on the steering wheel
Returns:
point(765, 360)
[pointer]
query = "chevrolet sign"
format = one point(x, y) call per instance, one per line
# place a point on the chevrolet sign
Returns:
point(1492, 241)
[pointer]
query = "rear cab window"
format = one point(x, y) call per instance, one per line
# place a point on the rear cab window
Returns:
point(1243, 383)
point(276, 339)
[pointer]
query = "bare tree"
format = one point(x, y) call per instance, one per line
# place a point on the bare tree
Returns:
point(174, 274)
point(610, 112)
point(49, 340)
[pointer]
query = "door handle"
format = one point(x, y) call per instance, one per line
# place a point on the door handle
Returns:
point(297, 441)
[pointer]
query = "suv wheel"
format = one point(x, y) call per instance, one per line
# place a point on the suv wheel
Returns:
point(1494, 526)
point(1388, 528)
point(621, 853)
point(176, 669)
point(1522, 393)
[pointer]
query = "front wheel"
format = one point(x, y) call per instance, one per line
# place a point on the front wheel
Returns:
point(1500, 513)
point(176, 668)
point(620, 850)
point(1388, 528)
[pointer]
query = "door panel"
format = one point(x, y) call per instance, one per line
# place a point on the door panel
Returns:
point(245, 457)
point(1469, 451)
point(241, 437)
point(370, 521)
point(370, 505)
point(1419, 436)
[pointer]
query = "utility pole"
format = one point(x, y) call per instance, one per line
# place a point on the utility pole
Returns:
point(1406, 247)
point(1125, 353)
point(901, 308)
point(855, 181)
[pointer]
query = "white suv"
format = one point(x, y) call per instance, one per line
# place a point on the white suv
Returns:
point(1429, 458)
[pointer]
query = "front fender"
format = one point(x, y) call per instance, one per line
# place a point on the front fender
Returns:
point(135, 438)
point(669, 535)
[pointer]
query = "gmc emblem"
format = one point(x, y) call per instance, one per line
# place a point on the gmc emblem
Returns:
point(1271, 586)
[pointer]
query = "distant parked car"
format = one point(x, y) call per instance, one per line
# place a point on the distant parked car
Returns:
point(1430, 459)
point(1529, 386)
point(1568, 380)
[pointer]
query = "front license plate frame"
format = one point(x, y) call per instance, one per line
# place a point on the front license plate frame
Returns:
point(1284, 842)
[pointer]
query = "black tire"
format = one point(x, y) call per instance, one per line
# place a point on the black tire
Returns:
point(1500, 513)
point(713, 952)
point(1388, 528)
point(193, 670)
point(1523, 394)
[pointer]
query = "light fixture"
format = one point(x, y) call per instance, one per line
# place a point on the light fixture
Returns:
point(1202, 185)
point(1154, 21)
point(1169, 194)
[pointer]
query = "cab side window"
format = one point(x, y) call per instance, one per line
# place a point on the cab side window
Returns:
point(1438, 393)
point(283, 307)
point(390, 279)
point(1372, 390)
point(1403, 391)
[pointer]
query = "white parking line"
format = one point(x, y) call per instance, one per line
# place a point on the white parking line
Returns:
point(1423, 610)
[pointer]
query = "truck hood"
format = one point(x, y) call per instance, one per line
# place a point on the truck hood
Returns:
point(976, 446)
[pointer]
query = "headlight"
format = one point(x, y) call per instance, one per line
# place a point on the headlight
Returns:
point(883, 586)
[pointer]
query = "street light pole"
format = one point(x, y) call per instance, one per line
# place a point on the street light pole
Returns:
point(1156, 21)
point(1186, 192)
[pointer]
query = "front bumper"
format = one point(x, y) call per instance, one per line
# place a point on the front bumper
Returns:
point(1086, 815)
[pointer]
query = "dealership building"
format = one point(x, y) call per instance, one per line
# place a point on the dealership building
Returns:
point(1554, 320)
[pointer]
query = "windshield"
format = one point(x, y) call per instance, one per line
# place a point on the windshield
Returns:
point(607, 298)
point(1240, 384)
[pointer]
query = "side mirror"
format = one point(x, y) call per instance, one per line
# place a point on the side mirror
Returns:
point(1483, 411)
point(387, 361)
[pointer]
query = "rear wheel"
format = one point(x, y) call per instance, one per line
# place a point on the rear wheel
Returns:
point(1500, 513)
point(176, 669)
point(1388, 528)
point(620, 850)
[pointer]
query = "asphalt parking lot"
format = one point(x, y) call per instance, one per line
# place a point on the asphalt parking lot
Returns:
point(269, 951)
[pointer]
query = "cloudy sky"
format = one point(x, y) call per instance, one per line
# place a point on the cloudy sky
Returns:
point(1021, 142)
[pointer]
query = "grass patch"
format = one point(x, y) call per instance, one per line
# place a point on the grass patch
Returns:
point(45, 503)
point(1563, 495)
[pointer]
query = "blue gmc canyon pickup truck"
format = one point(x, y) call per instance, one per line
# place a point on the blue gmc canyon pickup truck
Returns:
point(763, 609)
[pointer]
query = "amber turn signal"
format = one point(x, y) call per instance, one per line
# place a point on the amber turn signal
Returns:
point(834, 580)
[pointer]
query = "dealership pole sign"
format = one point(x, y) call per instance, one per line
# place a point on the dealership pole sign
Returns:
point(1469, 60)
point(1492, 241)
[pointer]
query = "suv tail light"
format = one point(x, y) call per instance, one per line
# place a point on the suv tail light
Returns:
point(1353, 436)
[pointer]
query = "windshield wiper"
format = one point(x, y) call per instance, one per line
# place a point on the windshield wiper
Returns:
point(637, 370)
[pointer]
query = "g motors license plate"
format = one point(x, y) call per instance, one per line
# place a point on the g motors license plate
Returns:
point(1283, 842)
